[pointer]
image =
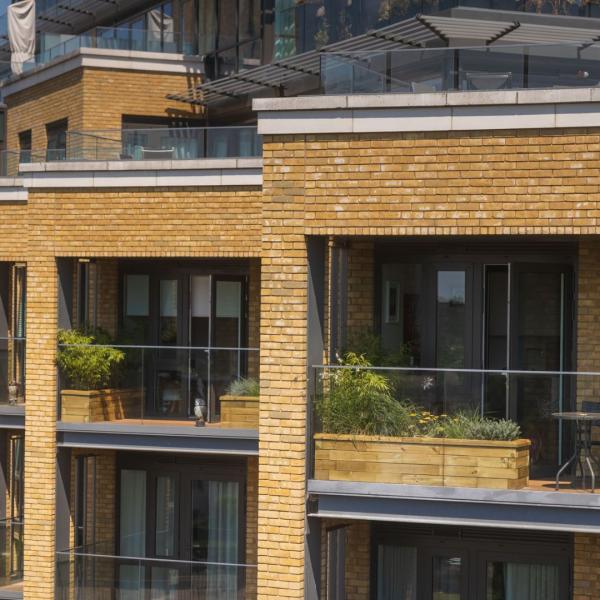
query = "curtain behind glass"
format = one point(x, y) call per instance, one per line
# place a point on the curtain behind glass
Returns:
point(132, 540)
point(396, 573)
point(530, 582)
point(223, 529)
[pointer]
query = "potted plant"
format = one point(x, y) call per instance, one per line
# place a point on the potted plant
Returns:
point(239, 406)
point(367, 435)
point(88, 369)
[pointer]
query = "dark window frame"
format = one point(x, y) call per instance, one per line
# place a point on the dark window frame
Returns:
point(477, 550)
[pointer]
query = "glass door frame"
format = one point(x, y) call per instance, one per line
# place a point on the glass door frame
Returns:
point(477, 547)
point(186, 470)
point(568, 300)
point(183, 272)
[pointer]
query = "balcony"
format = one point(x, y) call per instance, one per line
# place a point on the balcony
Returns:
point(150, 385)
point(137, 146)
point(185, 143)
point(489, 68)
point(448, 427)
point(86, 572)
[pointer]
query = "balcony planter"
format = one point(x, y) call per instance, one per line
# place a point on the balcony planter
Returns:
point(239, 412)
point(422, 461)
point(92, 406)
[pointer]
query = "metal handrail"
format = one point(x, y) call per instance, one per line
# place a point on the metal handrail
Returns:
point(505, 372)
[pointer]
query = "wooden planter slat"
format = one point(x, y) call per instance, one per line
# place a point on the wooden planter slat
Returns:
point(239, 412)
point(424, 461)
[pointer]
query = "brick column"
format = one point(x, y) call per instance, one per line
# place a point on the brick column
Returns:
point(40, 423)
point(283, 367)
point(586, 572)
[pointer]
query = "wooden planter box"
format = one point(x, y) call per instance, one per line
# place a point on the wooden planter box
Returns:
point(91, 406)
point(239, 412)
point(422, 461)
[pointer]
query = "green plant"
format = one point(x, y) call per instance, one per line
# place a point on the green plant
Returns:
point(472, 426)
point(86, 364)
point(364, 342)
point(359, 401)
point(244, 387)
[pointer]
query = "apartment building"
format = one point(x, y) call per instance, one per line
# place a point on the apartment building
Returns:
point(258, 260)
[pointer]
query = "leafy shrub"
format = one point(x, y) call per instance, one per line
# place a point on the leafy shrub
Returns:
point(85, 364)
point(359, 401)
point(364, 342)
point(475, 427)
point(244, 387)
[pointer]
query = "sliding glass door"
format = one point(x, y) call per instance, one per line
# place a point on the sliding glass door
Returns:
point(193, 325)
point(494, 313)
point(448, 563)
point(188, 522)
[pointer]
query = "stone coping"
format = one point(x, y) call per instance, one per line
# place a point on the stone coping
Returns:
point(141, 165)
point(104, 58)
point(429, 99)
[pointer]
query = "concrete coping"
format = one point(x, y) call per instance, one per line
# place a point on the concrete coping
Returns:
point(201, 164)
point(106, 58)
point(430, 99)
point(11, 182)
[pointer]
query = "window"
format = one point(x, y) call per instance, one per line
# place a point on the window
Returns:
point(25, 146)
point(56, 135)
point(336, 563)
point(443, 563)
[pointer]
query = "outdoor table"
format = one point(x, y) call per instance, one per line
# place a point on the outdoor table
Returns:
point(583, 443)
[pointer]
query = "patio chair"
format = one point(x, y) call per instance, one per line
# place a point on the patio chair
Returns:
point(488, 81)
point(419, 87)
point(161, 154)
point(592, 407)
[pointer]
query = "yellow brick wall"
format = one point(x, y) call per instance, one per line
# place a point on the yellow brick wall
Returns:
point(471, 183)
point(357, 564)
point(283, 365)
point(156, 222)
point(586, 572)
point(361, 286)
point(93, 98)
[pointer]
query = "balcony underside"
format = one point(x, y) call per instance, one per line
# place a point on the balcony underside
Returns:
point(514, 509)
point(158, 438)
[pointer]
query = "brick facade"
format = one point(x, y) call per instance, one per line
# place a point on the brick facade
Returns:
point(91, 98)
point(516, 183)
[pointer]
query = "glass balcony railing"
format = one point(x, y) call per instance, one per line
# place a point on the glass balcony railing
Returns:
point(11, 554)
point(146, 384)
point(12, 371)
point(121, 38)
point(185, 143)
point(497, 67)
point(525, 409)
point(82, 573)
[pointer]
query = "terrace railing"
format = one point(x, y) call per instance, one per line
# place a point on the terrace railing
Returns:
point(363, 400)
point(89, 573)
point(495, 67)
point(181, 143)
point(11, 552)
point(150, 383)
